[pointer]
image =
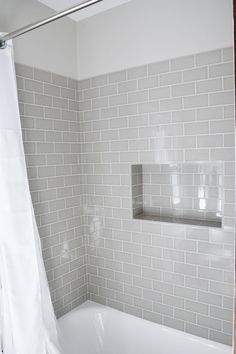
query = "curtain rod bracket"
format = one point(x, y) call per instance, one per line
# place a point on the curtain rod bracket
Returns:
point(3, 44)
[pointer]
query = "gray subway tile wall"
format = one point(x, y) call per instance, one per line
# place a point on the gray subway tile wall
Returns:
point(175, 112)
point(51, 140)
point(80, 144)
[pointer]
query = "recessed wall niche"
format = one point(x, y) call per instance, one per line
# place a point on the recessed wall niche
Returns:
point(186, 193)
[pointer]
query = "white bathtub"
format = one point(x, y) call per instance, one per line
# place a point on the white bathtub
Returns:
point(97, 329)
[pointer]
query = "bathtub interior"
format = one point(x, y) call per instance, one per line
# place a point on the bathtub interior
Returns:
point(96, 329)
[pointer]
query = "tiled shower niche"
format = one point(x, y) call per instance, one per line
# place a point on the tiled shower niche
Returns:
point(186, 193)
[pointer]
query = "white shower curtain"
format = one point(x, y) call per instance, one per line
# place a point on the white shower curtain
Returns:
point(27, 321)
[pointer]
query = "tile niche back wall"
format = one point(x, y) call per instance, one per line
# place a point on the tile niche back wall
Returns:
point(188, 190)
point(81, 139)
point(176, 111)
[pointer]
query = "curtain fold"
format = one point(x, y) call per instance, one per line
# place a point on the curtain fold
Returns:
point(27, 320)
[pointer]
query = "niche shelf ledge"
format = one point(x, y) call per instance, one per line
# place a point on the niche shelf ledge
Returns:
point(183, 221)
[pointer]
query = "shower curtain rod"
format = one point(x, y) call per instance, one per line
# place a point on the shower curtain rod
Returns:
point(47, 20)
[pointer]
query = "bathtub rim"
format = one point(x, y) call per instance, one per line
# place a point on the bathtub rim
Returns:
point(89, 304)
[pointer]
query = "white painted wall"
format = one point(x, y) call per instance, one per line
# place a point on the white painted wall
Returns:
point(136, 33)
point(52, 48)
point(144, 31)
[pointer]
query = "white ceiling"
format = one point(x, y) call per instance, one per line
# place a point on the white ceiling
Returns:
point(92, 10)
